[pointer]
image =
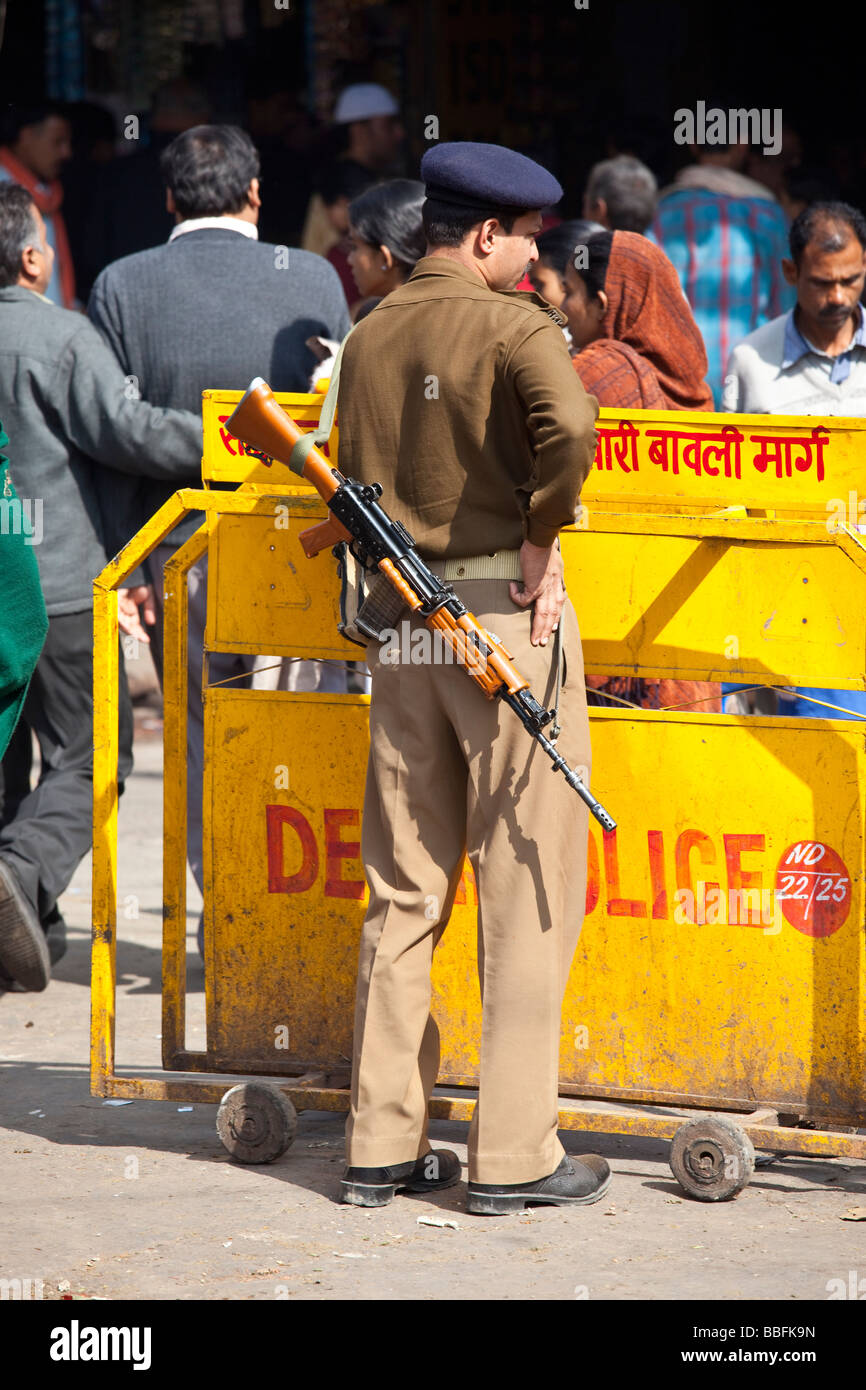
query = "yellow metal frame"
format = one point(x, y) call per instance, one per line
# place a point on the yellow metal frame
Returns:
point(316, 1090)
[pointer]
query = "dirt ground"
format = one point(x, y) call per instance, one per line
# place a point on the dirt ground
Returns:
point(141, 1201)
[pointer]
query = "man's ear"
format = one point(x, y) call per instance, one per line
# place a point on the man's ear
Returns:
point(789, 270)
point(486, 234)
point(29, 265)
point(169, 203)
point(253, 197)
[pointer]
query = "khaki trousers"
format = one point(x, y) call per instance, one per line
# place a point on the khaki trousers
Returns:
point(451, 772)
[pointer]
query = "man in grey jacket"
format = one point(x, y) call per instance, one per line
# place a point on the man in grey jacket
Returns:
point(74, 430)
point(213, 308)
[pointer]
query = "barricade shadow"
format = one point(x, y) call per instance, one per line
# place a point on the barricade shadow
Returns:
point(139, 966)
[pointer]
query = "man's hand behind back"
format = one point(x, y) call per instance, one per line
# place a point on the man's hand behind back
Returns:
point(542, 571)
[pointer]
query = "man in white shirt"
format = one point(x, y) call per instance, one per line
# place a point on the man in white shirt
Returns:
point(811, 361)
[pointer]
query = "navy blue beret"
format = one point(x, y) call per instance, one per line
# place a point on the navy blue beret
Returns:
point(486, 176)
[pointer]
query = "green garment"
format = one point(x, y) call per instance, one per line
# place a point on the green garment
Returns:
point(23, 620)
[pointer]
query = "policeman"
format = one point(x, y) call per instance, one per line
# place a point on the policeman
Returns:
point(458, 395)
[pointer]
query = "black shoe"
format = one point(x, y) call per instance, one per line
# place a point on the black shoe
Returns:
point(23, 948)
point(375, 1187)
point(577, 1182)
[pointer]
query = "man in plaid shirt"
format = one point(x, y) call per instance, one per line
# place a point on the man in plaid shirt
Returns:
point(726, 236)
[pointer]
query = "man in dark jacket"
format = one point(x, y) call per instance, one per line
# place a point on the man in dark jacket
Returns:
point(71, 422)
point(212, 308)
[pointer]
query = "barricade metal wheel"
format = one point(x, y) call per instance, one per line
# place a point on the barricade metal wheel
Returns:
point(712, 1158)
point(256, 1122)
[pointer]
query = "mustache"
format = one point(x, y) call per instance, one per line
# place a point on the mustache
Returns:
point(834, 311)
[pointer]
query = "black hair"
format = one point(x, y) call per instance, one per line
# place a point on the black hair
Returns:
point(591, 264)
point(556, 245)
point(209, 169)
point(446, 224)
point(831, 217)
point(15, 118)
point(389, 214)
point(343, 178)
point(18, 228)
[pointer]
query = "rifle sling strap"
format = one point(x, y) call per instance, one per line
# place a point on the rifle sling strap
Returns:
point(321, 433)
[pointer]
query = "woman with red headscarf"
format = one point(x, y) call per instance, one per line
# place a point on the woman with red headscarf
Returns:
point(637, 348)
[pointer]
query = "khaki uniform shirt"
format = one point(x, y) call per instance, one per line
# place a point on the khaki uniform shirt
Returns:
point(464, 404)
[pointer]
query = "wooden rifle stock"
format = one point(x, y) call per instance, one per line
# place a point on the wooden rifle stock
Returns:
point(259, 421)
point(323, 536)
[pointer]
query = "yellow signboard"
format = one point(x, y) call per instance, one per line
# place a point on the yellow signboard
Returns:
point(692, 461)
point(663, 461)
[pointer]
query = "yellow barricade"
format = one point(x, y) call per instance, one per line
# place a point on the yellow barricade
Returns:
point(721, 965)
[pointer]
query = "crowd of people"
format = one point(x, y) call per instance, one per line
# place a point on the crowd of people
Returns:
point(716, 292)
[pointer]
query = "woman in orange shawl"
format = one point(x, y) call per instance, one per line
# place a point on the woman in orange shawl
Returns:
point(637, 348)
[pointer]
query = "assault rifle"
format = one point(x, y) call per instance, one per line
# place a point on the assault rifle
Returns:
point(377, 542)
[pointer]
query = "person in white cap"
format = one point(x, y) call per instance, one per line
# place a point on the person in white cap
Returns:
point(374, 128)
point(374, 134)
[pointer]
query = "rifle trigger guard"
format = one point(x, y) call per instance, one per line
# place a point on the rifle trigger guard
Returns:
point(362, 556)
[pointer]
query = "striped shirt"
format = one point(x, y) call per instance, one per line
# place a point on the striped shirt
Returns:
point(727, 252)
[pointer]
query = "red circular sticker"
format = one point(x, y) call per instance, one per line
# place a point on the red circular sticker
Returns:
point(813, 887)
